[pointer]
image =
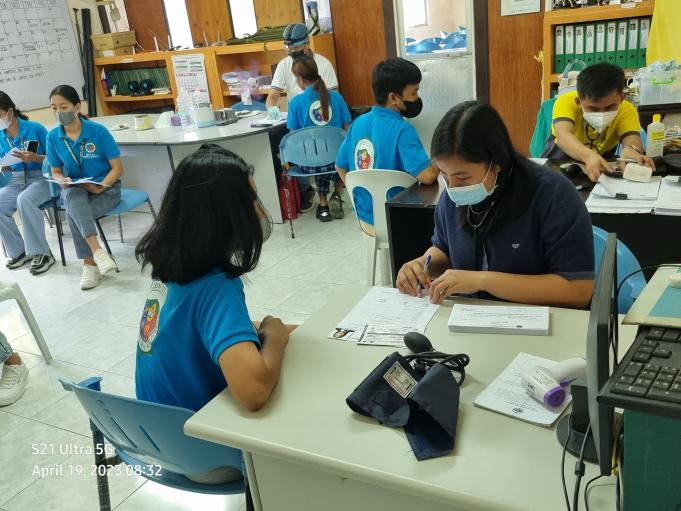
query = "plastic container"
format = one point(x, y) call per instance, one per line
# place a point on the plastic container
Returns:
point(661, 87)
point(655, 137)
point(185, 109)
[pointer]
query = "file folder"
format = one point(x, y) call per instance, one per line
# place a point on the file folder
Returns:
point(644, 30)
point(599, 53)
point(589, 44)
point(579, 42)
point(559, 53)
point(632, 44)
point(611, 42)
point(622, 27)
point(569, 44)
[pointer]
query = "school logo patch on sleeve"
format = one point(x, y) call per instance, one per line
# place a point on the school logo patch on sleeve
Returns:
point(315, 113)
point(364, 154)
point(151, 315)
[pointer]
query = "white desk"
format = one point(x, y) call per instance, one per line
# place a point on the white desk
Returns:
point(306, 450)
point(150, 156)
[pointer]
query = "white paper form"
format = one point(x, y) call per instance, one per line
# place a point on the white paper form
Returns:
point(669, 200)
point(9, 159)
point(383, 316)
point(506, 394)
point(609, 187)
point(499, 319)
point(597, 204)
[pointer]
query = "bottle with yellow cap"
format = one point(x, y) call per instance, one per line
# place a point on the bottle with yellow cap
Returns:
point(655, 137)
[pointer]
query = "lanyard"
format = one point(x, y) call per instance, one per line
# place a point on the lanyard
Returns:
point(79, 161)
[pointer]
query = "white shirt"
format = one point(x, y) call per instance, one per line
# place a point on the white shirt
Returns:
point(284, 81)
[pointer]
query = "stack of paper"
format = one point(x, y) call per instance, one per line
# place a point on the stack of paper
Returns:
point(382, 318)
point(499, 319)
point(265, 122)
point(669, 200)
point(506, 394)
point(612, 195)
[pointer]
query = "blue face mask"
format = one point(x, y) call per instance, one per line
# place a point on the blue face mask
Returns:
point(471, 194)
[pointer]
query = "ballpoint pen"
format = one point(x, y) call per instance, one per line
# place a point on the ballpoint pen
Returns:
point(425, 270)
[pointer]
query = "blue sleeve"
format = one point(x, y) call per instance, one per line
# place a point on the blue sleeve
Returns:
point(342, 159)
point(41, 134)
point(292, 119)
point(412, 155)
point(440, 238)
point(222, 317)
point(110, 148)
point(566, 233)
point(51, 151)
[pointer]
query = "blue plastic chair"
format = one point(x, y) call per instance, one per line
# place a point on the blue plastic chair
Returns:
point(149, 437)
point(130, 199)
point(455, 40)
point(315, 146)
point(425, 46)
point(626, 264)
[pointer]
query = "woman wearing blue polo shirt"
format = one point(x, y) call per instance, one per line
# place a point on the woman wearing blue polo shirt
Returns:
point(505, 228)
point(79, 148)
point(317, 106)
point(26, 190)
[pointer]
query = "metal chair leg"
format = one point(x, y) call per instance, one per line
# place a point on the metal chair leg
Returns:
point(151, 208)
point(60, 231)
point(106, 243)
point(289, 208)
point(49, 220)
point(120, 228)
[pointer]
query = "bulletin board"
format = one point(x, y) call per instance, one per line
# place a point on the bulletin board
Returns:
point(38, 51)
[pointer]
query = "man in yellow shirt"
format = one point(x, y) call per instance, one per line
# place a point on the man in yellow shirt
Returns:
point(589, 123)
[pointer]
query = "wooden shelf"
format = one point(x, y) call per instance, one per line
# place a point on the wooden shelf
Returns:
point(260, 92)
point(152, 56)
point(606, 12)
point(125, 99)
point(555, 76)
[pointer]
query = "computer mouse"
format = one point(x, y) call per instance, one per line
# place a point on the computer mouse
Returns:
point(675, 280)
point(571, 169)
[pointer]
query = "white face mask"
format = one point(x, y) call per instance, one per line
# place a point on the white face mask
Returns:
point(600, 120)
point(5, 122)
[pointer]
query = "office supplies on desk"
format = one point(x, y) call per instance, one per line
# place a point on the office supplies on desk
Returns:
point(265, 122)
point(639, 173)
point(659, 304)
point(622, 188)
point(550, 385)
point(506, 394)
point(383, 316)
point(425, 270)
point(599, 204)
point(669, 199)
point(493, 319)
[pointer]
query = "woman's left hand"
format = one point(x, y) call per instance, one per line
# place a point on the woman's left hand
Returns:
point(93, 188)
point(454, 282)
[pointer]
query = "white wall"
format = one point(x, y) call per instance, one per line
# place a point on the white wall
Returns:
point(442, 15)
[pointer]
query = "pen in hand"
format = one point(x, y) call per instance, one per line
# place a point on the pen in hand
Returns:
point(425, 270)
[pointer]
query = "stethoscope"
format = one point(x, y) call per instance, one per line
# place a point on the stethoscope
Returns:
point(592, 141)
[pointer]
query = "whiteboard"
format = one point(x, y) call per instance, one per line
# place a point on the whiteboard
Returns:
point(38, 51)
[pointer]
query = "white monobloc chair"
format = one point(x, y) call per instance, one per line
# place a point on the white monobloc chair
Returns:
point(11, 291)
point(377, 182)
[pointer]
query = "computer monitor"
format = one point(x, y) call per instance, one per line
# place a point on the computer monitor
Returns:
point(600, 334)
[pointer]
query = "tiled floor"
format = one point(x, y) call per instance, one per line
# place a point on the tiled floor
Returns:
point(94, 333)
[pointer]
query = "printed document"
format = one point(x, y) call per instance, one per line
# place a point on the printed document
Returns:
point(494, 319)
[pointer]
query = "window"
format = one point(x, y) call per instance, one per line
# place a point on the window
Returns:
point(243, 17)
point(178, 24)
point(415, 13)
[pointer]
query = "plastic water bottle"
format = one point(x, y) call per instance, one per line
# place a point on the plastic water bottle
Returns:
point(185, 109)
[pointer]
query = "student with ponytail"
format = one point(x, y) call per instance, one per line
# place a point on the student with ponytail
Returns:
point(318, 106)
point(25, 189)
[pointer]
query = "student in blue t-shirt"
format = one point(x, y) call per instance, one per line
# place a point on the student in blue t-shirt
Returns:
point(195, 336)
point(317, 106)
point(505, 228)
point(25, 190)
point(382, 139)
point(79, 148)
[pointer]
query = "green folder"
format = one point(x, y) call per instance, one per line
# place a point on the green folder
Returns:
point(599, 51)
point(589, 44)
point(611, 42)
point(644, 30)
point(559, 53)
point(569, 44)
point(622, 34)
point(579, 42)
point(632, 44)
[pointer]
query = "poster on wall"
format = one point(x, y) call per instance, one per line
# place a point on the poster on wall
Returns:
point(513, 7)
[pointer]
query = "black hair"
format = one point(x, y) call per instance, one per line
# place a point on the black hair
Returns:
point(6, 103)
point(393, 75)
point(474, 131)
point(306, 68)
point(599, 80)
point(207, 220)
point(71, 95)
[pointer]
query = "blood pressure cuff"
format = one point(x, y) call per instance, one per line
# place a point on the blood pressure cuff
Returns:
point(427, 407)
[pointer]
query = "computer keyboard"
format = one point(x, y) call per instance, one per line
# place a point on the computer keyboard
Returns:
point(648, 378)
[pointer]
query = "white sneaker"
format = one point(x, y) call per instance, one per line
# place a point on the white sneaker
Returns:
point(12, 383)
point(90, 278)
point(104, 262)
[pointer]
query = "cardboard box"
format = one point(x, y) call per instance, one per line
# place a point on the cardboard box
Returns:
point(116, 51)
point(113, 40)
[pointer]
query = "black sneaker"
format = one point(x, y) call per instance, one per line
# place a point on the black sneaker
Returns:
point(323, 213)
point(336, 206)
point(307, 200)
point(41, 263)
point(18, 262)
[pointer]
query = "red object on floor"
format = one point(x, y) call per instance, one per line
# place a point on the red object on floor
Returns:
point(294, 196)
